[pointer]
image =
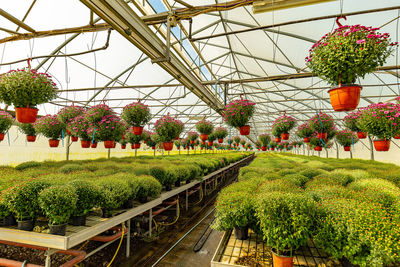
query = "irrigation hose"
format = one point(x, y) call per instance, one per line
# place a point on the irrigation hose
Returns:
point(202, 195)
point(155, 224)
point(177, 217)
point(119, 245)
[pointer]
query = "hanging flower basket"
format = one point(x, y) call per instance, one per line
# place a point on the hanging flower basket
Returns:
point(382, 145)
point(168, 146)
point(220, 140)
point(74, 138)
point(244, 130)
point(123, 146)
point(272, 148)
point(26, 115)
point(220, 133)
point(307, 140)
point(136, 114)
point(282, 125)
point(205, 128)
point(6, 120)
point(31, 138)
point(362, 135)
point(203, 137)
point(348, 53)
point(210, 143)
point(109, 143)
point(264, 148)
point(397, 137)
point(346, 138)
point(50, 127)
point(1, 137)
point(85, 144)
point(285, 136)
point(93, 145)
point(136, 145)
point(347, 148)
point(68, 114)
point(318, 148)
point(168, 128)
point(54, 142)
point(278, 139)
point(137, 130)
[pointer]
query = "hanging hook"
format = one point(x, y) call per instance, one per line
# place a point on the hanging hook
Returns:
point(29, 62)
point(138, 100)
point(338, 18)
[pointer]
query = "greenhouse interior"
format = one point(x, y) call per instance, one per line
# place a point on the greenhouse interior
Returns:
point(199, 133)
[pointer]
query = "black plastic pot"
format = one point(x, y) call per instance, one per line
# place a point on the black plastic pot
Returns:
point(9, 220)
point(79, 220)
point(142, 199)
point(106, 213)
point(177, 183)
point(58, 229)
point(346, 263)
point(168, 187)
point(188, 181)
point(128, 204)
point(26, 225)
point(241, 233)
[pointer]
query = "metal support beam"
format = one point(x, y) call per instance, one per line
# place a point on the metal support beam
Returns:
point(16, 21)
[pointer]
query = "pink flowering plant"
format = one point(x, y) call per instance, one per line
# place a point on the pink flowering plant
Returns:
point(151, 141)
point(109, 128)
point(239, 112)
point(80, 127)
point(204, 127)
point(315, 141)
point(221, 132)
point(96, 113)
point(132, 138)
point(26, 88)
point(321, 122)
point(349, 52)
point(236, 139)
point(346, 138)
point(283, 124)
point(350, 121)
point(192, 136)
point(168, 128)
point(49, 126)
point(136, 114)
point(6, 120)
point(67, 114)
point(397, 99)
point(264, 139)
point(304, 131)
point(27, 128)
point(381, 120)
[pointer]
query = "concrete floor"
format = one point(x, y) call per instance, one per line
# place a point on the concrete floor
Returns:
point(183, 256)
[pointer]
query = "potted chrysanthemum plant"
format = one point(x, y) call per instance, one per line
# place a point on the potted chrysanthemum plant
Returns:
point(67, 114)
point(108, 129)
point(204, 127)
point(321, 123)
point(264, 139)
point(221, 133)
point(137, 115)
point(168, 129)
point(192, 136)
point(343, 56)
point(50, 127)
point(29, 130)
point(350, 122)
point(238, 114)
point(346, 138)
point(6, 121)
point(283, 125)
point(81, 128)
point(305, 131)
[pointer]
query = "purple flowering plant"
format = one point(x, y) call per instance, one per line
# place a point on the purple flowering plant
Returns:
point(6, 121)
point(304, 131)
point(349, 52)
point(132, 138)
point(346, 137)
point(350, 121)
point(136, 114)
point(96, 113)
point(49, 126)
point(204, 127)
point(109, 128)
point(27, 128)
point(321, 122)
point(66, 114)
point(168, 128)
point(238, 112)
point(221, 132)
point(283, 124)
point(192, 136)
point(80, 127)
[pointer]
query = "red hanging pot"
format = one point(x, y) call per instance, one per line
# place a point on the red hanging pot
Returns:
point(306, 140)
point(282, 261)
point(203, 143)
point(191, 142)
point(322, 135)
point(318, 148)
point(345, 98)
point(114, 145)
point(153, 147)
point(74, 138)
point(31, 138)
point(264, 148)
point(204, 137)
point(285, 136)
point(168, 146)
point(244, 130)
point(220, 140)
point(277, 139)
point(54, 142)
point(272, 148)
point(137, 130)
point(346, 148)
point(109, 144)
point(136, 145)
point(210, 143)
point(362, 135)
point(382, 145)
point(68, 132)
point(1, 137)
point(85, 144)
point(26, 115)
point(93, 145)
point(397, 137)
point(123, 146)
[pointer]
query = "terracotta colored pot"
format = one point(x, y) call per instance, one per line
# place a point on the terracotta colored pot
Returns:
point(109, 143)
point(382, 145)
point(203, 143)
point(272, 148)
point(191, 142)
point(31, 138)
point(264, 148)
point(168, 146)
point(362, 135)
point(85, 144)
point(277, 139)
point(306, 140)
point(345, 98)
point(220, 140)
point(204, 137)
point(282, 261)
point(93, 145)
point(68, 132)
point(153, 147)
point(322, 135)
point(397, 137)
point(26, 115)
point(114, 145)
point(136, 145)
point(137, 130)
point(318, 148)
point(1, 137)
point(210, 143)
point(54, 142)
point(123, 146)
point(74, 138)
point(346, 148)
point(285, 136)
point(244, 130)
